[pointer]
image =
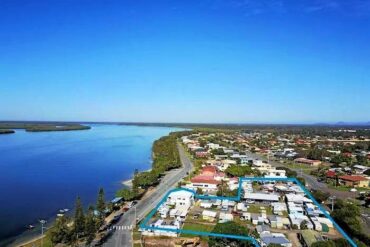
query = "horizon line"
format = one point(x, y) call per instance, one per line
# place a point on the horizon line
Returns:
point(337, 123)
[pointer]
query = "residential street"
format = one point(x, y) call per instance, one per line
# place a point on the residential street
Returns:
point(123, 233)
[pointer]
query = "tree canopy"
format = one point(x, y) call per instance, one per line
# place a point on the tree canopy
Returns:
point(230, 227)
point(239, 171)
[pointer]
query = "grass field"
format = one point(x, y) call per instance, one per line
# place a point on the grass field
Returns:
point(196, 227)
point(256, 209)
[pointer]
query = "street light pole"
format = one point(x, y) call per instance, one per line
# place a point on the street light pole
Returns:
point(43, 222)
point(332, 198)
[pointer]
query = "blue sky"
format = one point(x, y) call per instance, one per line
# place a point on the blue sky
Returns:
point(232, 61)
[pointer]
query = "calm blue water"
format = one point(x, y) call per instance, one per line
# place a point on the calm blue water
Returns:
point(41, 173)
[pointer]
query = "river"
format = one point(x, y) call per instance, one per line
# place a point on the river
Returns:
point(43, 172)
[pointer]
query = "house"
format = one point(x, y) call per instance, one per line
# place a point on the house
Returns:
point(245, 216)
point(295, 209)
point(209, 171)
point(279, 208)
point(297, 198)
point(256, 220)
point(297, 219)
point(213, 146)
point(260, 164)
point(312, 210)
point(261, 197)
point(275, 238)
point(233, 183)
point(274, 173)
point(308, 161)
point(220, 157)
point(161, 224)
point(276, 222)
point(241, 206)
point(181, 198)
point(359, 169)
point(225, 217)
point(163, 211)
point(201, 154)
point(226, 163)
point(331, 174)
point(206, 183)
point(323, 220)
point(206, 204)
point(263, 229)
point(209, 215)
point(242, 158)
point(354, 181)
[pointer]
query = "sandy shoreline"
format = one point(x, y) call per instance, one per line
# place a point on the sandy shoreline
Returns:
point(128, 182)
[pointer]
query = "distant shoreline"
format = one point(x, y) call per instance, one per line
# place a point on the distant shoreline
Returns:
point(8, 127)
point(6, 131)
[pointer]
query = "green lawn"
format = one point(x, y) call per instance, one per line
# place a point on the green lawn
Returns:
point(196, 227)
point(256, 209)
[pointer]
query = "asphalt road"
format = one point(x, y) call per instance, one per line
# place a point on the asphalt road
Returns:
point(122, 236)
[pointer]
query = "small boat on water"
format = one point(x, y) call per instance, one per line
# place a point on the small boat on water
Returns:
point(30, 227)
point(60, 215)
point(65, 210)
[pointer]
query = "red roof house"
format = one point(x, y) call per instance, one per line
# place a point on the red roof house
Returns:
point(354, 181)
point(330, 174)
point(209, 171)
point(204, 180)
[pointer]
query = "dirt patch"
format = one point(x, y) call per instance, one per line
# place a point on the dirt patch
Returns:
point(172, 242)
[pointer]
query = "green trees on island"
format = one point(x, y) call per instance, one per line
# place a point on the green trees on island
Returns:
point(82, 227)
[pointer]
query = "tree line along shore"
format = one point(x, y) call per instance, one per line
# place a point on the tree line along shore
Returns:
point(8, 127)
point(165, 157)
